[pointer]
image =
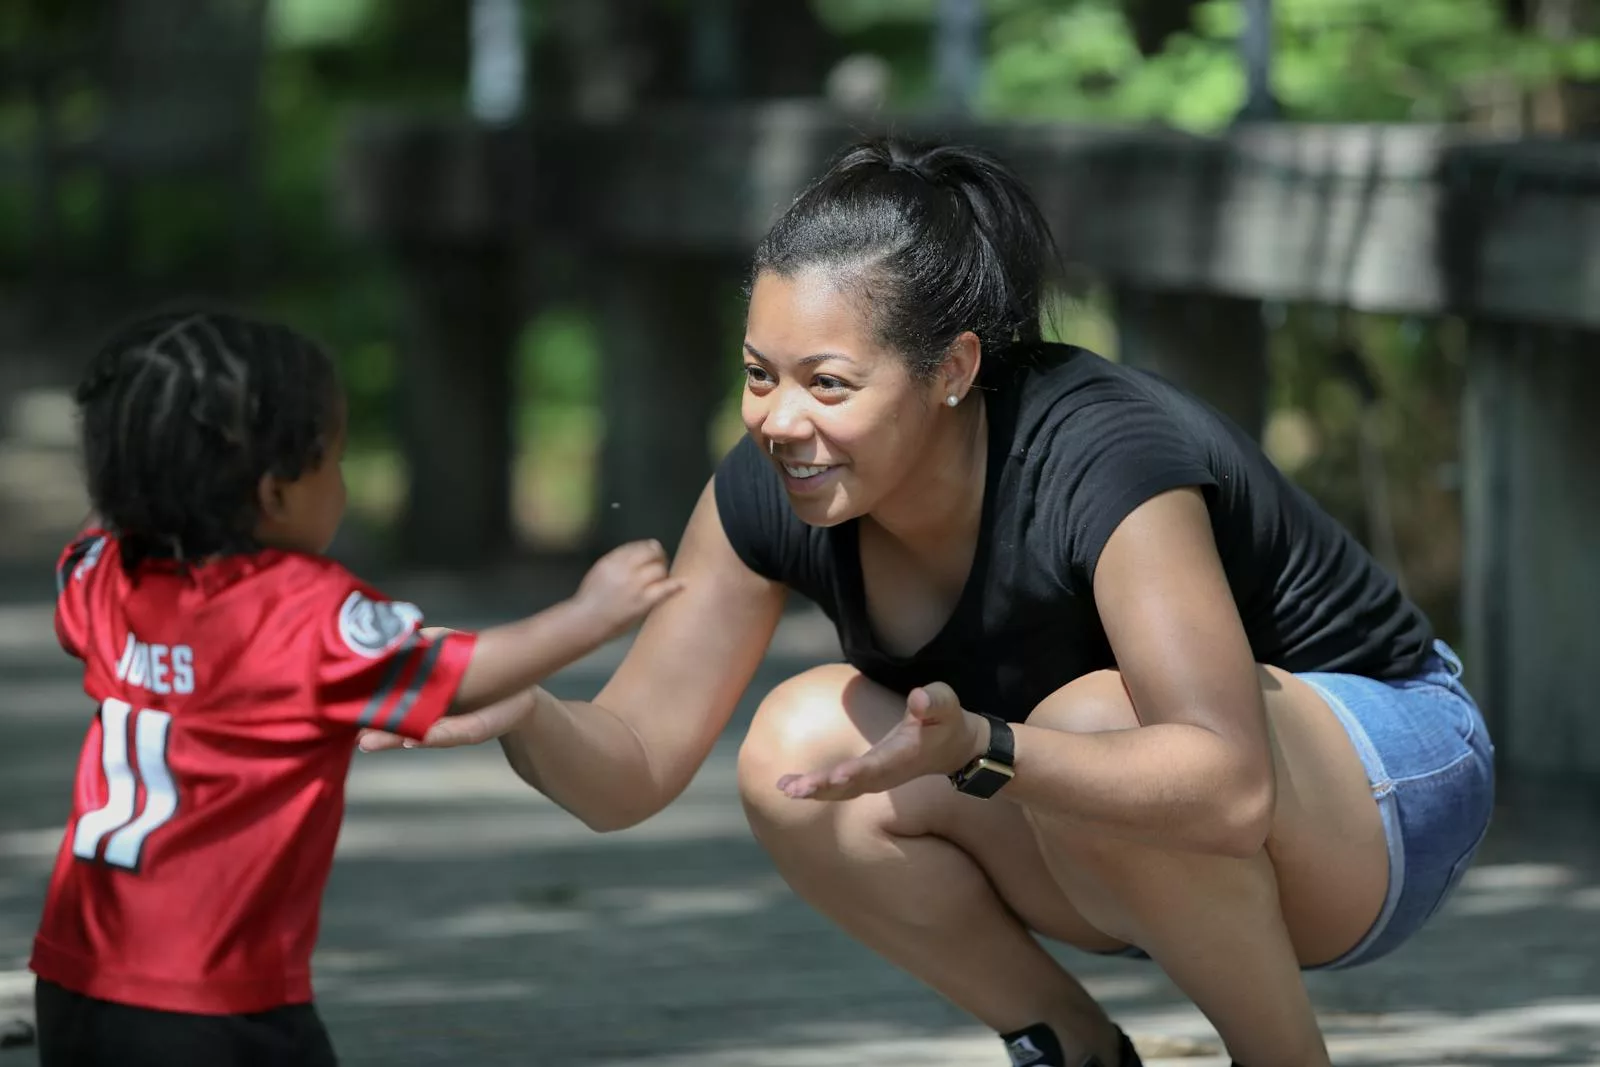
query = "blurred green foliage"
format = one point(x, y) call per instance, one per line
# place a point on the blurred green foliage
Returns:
point(1072, 60)
point(1334, 60)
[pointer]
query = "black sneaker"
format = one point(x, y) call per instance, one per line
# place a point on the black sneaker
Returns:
point(1127, 1055)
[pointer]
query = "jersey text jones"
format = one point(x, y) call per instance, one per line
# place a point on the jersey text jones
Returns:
point(157, 668)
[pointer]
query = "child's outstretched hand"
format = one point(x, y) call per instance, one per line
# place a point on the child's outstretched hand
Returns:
point(494, 694)
point(624, 585)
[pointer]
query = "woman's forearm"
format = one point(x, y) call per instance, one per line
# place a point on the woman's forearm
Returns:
point(586, 759)
point(1171, 784)
point(617, 761)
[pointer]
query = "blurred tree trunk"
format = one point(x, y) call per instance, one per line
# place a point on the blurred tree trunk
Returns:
point(599, 59)
point(668, 362)
point(1214, 346)
point(1154, 22)
point(1565, 107)
point(181, 81)
point(662, 316)
point(454, 400)
point(785, 50)
point(1561, 107)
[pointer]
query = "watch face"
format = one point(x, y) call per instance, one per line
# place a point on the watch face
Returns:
point(985, 779)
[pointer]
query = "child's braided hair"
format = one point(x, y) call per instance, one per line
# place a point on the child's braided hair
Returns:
point(183, 413)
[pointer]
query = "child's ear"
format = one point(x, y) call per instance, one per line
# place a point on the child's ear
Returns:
point(269, 494)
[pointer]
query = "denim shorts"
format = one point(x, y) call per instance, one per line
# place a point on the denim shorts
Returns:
point(1431, 764)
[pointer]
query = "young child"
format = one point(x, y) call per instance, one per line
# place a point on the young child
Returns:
point(233, 667)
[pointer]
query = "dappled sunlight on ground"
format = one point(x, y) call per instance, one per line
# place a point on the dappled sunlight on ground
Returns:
point(471, 921)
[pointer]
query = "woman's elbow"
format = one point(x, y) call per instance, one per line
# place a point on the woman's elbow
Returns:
point(603, 815)
point(623, 812)
point(1244, 822)
point(614, 820)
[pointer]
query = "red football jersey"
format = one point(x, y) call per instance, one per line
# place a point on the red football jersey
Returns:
point(210, 789)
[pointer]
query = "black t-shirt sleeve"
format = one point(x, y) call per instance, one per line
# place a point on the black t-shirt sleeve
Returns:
point(756, 516)
point(1105, 460)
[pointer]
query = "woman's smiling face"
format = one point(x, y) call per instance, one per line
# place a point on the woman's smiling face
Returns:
point(844, 418)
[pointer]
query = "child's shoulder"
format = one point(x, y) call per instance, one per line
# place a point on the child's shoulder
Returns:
point(298, 582)
point(312, 572)
point(343, 614)
point(82, 555)
point(319, 584)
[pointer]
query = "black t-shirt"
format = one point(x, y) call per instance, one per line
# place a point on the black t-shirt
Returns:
point(1076, 442)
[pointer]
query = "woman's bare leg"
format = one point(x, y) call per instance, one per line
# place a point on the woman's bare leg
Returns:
point(1233, 933)
point(947, 888)
point(943, 885)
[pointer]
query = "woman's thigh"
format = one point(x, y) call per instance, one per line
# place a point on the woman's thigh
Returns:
point(1431, 766)
point(1327, 843)
point(833, 713)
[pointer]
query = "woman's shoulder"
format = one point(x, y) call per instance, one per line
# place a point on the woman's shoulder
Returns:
point(1093, 440)
point(1049, 384)
point(1049, 372)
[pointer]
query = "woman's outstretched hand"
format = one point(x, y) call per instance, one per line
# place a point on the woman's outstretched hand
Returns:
point(936, 736)
point(468, 728)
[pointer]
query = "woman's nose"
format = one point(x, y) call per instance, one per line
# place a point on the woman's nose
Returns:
point(786, 420)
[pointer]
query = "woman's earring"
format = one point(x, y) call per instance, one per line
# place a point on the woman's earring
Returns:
point(952, 400)
point(772, 447)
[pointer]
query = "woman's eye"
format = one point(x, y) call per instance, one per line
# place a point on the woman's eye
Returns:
point(754, 374)
point(828, 382)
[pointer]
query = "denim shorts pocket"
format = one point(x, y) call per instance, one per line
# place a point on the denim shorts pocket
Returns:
point(1445, 817)
point(1457, 872)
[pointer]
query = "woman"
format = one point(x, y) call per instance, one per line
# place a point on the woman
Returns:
point(1185, 714)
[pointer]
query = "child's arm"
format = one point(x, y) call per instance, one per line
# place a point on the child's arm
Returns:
point(618, 591)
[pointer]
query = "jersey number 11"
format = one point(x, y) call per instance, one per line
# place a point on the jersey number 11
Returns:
point(117, 818)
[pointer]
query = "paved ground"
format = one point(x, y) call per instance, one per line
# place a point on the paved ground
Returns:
point(470, 922)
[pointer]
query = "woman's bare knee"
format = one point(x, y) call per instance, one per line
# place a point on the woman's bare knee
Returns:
point(821, 716)
point(1093, 703)
point(799, 716)
point(832, 713)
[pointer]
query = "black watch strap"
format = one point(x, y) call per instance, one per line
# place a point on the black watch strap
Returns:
point(1002, 742)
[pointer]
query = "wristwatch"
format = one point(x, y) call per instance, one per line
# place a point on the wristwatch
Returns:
point(984, 776)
